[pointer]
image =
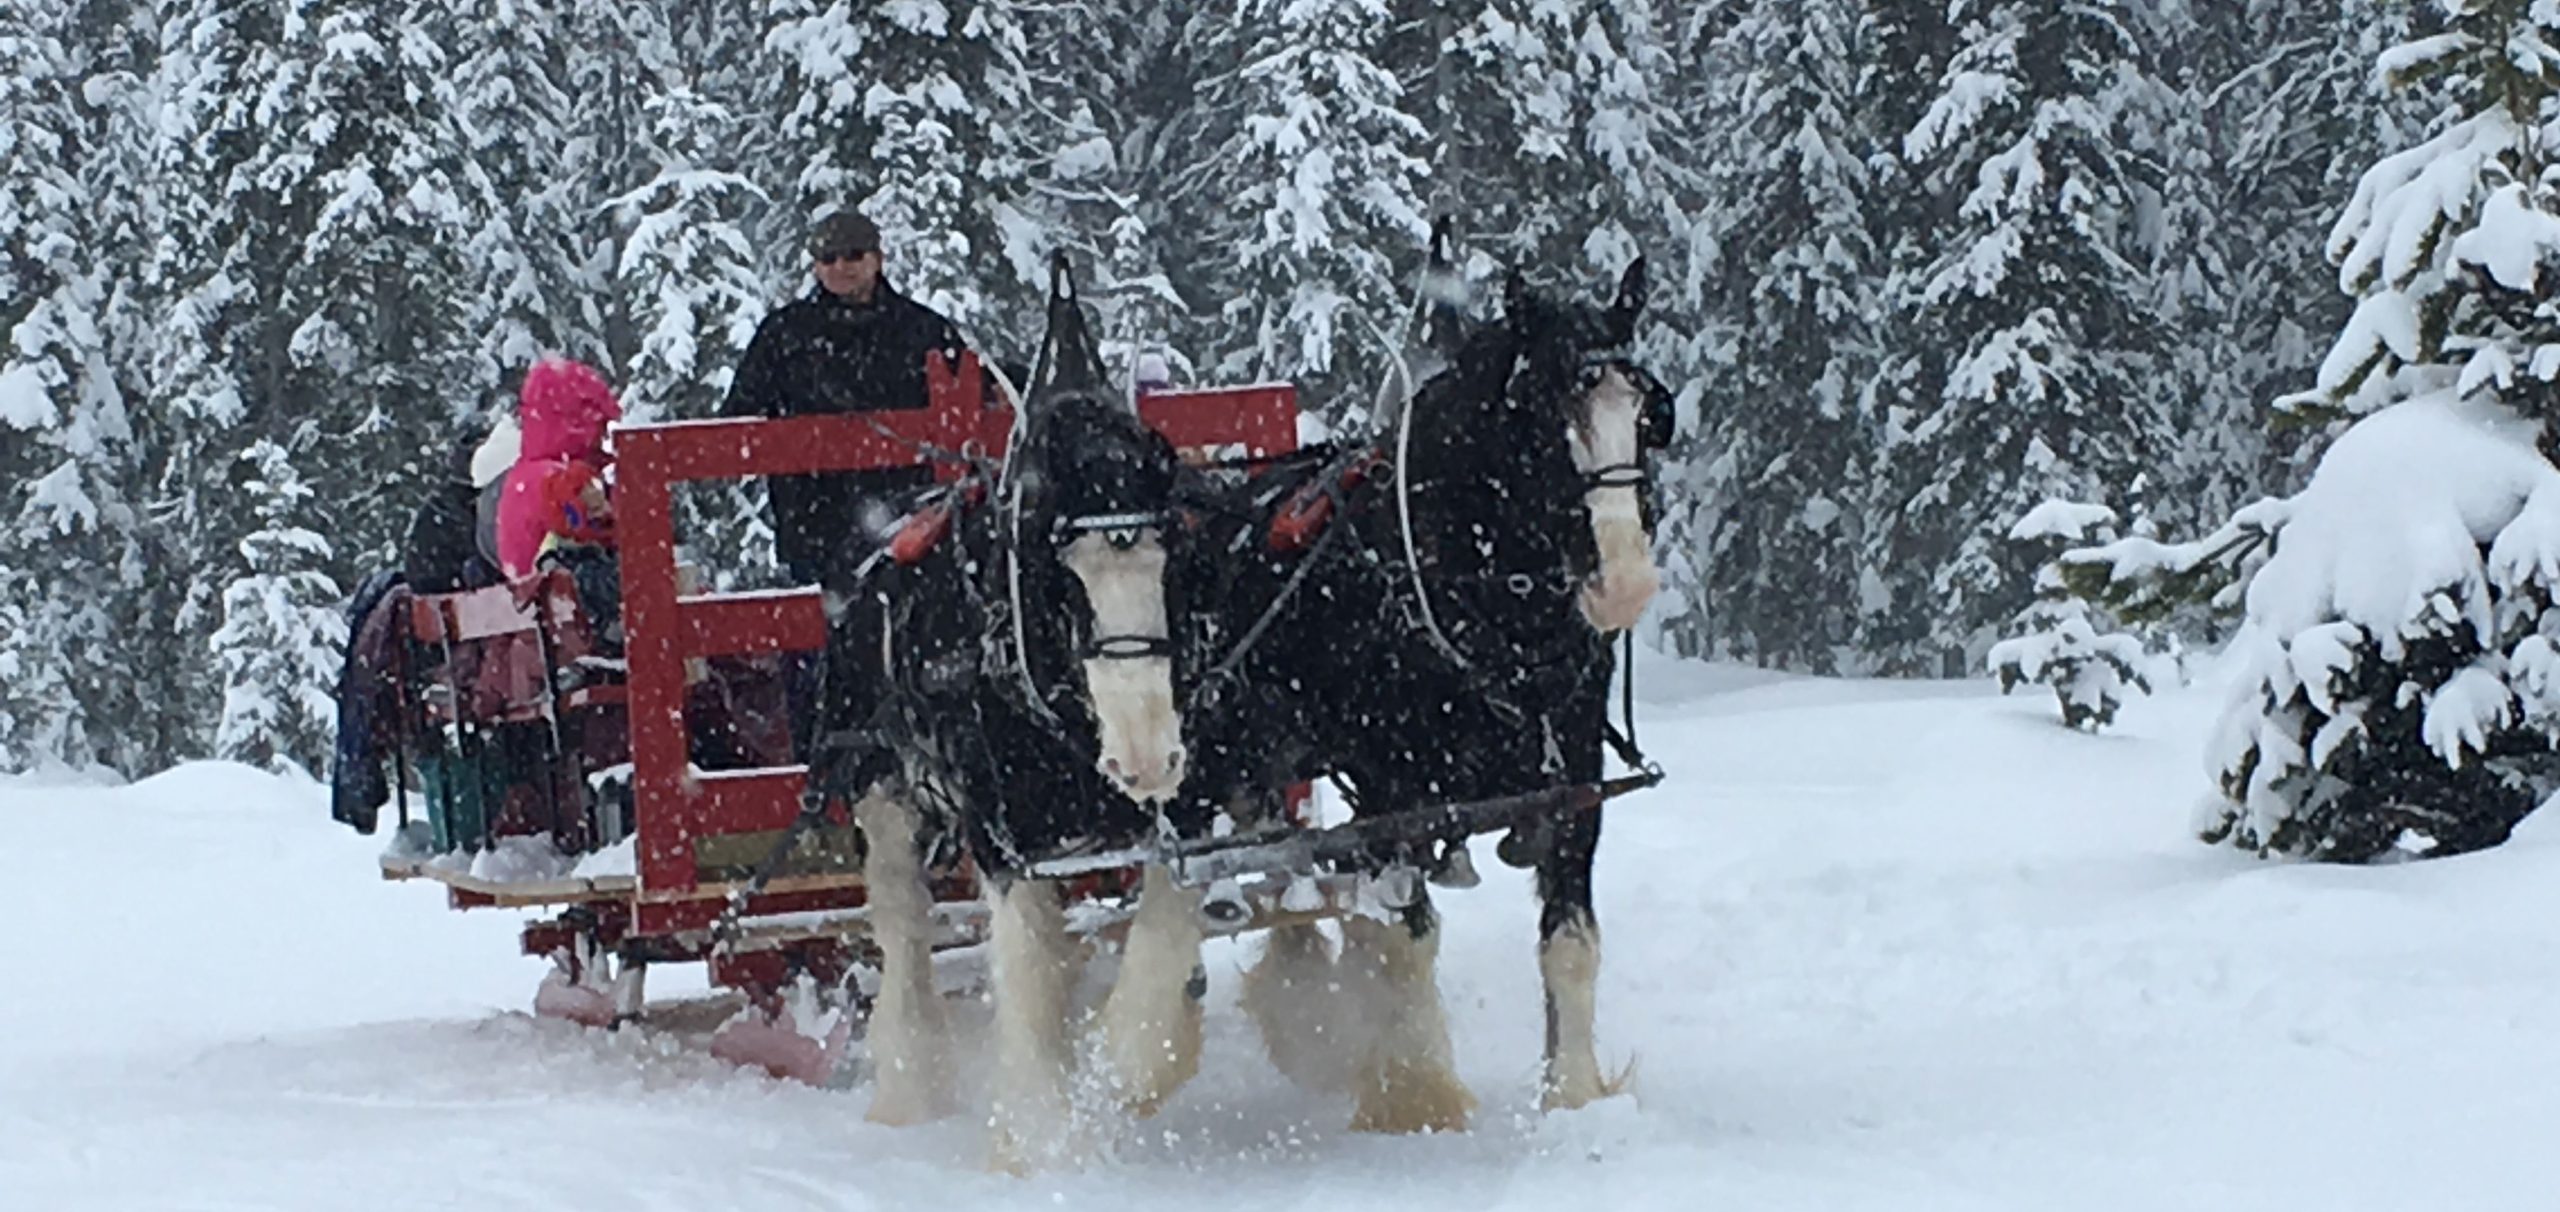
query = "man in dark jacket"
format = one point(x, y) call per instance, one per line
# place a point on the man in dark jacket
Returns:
point(441, 553)
point(853, 344)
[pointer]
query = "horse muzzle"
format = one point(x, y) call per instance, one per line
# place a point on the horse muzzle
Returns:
point(1140, 726)
point(1617, 595)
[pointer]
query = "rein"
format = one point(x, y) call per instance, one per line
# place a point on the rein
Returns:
point(1404, 529)
point(1210, 693)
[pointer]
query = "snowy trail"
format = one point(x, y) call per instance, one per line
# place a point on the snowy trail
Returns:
point(1901, 946)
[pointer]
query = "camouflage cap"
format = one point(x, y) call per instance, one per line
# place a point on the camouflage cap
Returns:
point(843, 232)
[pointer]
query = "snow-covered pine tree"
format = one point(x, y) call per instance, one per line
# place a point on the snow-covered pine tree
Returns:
point(211, 348)
point(1780, 506)
point(282, 639)
point(1630, 127)
point(1083, 141)
point(2040, 311)
point(1492, 82)
point(2399, 693)
point(533, 288)
point(63, 522)
point(618, 56)
point(369, 171)
point(893, 110)
point(1324, 214)
point(688, 275)
point(687, 266)
point(2279, 112)
point(1912, 43)
point(134, 728)
point(2188, 254)
point(2063, 640)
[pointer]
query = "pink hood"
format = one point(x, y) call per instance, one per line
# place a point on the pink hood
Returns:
point(564, 409)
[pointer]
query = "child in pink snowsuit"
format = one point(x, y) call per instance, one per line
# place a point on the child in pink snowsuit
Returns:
point(564, 410)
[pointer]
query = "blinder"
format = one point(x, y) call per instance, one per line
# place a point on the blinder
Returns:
point(1657, 417)
point(1110, 526)
point(1121, 531)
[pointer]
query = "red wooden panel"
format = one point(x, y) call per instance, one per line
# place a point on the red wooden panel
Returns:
point(714, 804)
point(743, 624)
point(1263, 418)
point(664, 629)
point(733, 450)
point(651, 622)
point(746, 801)
point(955, 420)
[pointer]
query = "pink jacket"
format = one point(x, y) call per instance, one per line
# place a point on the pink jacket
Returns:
point(564, 410)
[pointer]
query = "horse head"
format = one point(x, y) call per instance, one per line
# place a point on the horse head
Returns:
point(1576, 366)
point(1090, 491)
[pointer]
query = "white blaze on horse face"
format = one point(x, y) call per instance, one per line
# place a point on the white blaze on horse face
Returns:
point(1608, 437)
point(1132, 696)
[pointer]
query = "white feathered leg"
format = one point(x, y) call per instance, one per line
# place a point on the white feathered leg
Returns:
point(1407, 1082)
point(1151, 1022)
point(911, 1058)
point(1569, 959)
point(1296, 1000)
point(1033, 1121)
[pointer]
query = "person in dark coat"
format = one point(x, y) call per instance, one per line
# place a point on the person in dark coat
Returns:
point(442, 551)
point(368, 702)
point(852, 344)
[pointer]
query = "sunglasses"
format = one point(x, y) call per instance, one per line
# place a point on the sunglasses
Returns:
point(830, 258)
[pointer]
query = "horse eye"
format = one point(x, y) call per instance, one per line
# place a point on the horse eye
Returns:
point(1121, 540)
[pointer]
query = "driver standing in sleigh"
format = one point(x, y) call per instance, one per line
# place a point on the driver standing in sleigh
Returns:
point(853, 343)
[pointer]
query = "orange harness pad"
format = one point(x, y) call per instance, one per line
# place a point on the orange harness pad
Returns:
point(1303, 516)
point(924, 529)
point(920, 532)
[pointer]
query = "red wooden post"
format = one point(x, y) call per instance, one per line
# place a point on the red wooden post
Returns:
point(664, 629)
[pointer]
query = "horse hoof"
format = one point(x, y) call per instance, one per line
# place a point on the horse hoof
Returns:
point(1397, 887)
point(1457, 869)
point(1583, 1089)
point(907, 1108)
point(1402, 1100)
point(1303, 895)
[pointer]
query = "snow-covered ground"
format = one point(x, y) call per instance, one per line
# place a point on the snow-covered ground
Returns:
point(1889, 946)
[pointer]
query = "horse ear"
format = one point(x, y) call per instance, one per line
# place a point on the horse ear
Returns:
point(1515, 295)
point(1062, 278)
point(1632, 287)
point(1444, 243)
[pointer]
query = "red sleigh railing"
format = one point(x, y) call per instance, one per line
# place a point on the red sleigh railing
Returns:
point(676, 807)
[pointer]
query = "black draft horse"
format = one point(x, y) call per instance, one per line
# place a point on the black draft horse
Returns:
point(1030, 671)
point(1443, 637)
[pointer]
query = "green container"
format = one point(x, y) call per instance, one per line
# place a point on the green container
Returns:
point(462, 793)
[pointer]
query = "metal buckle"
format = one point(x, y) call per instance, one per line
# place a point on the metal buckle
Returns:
point(1128, 648)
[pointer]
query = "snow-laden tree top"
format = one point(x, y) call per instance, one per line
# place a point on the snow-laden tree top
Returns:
point(2400, 508)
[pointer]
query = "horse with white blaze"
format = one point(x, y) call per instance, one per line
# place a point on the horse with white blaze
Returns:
point(1031, 669)
point(1427, 618)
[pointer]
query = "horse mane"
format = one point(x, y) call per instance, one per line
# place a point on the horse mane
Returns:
point(1537, 346)
point(1478, 370)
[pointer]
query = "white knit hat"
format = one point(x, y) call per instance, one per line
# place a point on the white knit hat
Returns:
point(497, 452)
